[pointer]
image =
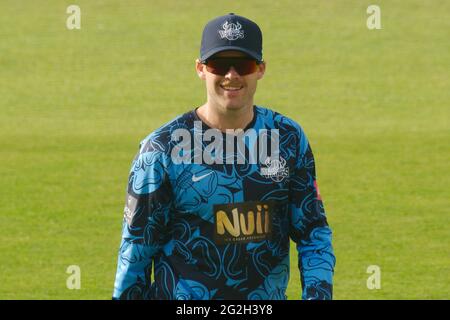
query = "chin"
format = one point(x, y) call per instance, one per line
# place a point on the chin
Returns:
point(234, 105)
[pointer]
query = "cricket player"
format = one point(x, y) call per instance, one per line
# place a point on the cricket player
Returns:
point(215, 196)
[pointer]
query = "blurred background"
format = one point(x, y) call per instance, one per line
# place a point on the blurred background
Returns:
point(74, 105)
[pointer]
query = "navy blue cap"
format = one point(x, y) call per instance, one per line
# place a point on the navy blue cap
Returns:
point(231, 32)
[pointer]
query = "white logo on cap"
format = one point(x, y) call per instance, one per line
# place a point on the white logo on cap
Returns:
point(231, 31)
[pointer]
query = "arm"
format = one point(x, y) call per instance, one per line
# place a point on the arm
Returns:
point(310, 230)
point(146, 216)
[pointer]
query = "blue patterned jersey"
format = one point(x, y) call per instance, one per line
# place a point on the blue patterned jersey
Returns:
point(222, 230)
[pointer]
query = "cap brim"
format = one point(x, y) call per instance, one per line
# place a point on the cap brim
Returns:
point(226, 48)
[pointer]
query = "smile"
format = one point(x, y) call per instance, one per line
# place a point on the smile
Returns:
point(230, 88)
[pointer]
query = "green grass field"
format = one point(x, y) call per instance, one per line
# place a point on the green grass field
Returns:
point(75, 104)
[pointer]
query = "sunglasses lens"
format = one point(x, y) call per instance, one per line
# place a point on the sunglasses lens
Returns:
point(218, 66)
point(221, 66)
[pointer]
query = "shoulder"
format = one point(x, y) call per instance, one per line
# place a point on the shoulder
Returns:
point(288, 128)
point(160, 140)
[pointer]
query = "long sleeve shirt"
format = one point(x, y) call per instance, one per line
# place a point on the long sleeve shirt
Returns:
point(221, 229)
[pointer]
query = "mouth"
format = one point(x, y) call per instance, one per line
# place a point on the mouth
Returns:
point(231, 88)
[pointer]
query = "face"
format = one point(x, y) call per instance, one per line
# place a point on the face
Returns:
point(231, 91)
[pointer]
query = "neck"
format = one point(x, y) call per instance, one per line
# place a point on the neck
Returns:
point(227, 118)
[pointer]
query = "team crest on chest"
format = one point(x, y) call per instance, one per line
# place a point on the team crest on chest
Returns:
point(275, 169)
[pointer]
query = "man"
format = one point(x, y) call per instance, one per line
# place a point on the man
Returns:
point(207, 207)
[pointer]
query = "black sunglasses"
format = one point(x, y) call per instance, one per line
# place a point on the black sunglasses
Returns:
point(221, 65)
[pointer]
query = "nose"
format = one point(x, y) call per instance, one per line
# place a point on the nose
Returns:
point(232, 73)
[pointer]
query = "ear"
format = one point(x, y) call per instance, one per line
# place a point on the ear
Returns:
point(261, 70)
point(199, 67)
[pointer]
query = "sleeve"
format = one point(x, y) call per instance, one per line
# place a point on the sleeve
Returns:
point(146, 216)
point(309, 229)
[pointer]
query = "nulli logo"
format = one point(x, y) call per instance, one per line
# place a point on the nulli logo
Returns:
point(243, 222)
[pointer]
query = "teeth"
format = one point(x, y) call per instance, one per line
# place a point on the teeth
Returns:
point(231, 88)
